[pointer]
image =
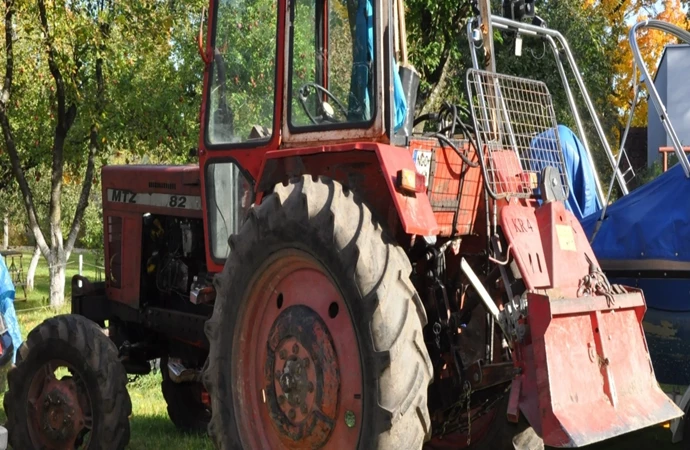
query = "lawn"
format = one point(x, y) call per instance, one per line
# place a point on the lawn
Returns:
point(151, 428)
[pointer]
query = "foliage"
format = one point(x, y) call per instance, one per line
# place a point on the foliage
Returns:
point(438, 48)
point(651, 43)
point(76, 75)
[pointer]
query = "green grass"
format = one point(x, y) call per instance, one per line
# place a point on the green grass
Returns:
point(150, 425)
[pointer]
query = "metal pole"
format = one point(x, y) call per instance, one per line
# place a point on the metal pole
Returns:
point(81, 264)
point(649, 82)
point(528, 29)
point(487, 34)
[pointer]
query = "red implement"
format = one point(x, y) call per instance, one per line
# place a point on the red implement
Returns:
point(586, 370)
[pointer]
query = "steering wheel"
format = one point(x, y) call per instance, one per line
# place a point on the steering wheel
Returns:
point(305, 91)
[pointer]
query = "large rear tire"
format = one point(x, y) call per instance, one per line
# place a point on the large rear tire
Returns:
point(68, 389)
point(316, 335)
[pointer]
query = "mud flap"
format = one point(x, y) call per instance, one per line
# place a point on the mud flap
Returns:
point(586, 370)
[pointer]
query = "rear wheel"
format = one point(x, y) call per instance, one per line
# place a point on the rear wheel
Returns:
point(316, 336)
point(68, 390)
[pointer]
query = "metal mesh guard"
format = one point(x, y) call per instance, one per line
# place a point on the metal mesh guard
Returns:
point(516, 131)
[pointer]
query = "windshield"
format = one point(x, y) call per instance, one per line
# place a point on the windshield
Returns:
point(240, 105)
point(332, 65)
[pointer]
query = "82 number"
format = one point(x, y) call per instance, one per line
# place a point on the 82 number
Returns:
point(177, 201)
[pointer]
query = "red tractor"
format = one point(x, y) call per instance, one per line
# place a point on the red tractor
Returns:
point(328, 278)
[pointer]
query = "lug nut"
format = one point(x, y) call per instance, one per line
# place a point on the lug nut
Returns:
point(295, 348)
point(303, 408)
point(283, 354)
point(281, 399)
point(310, 387)
point(292, 414)
point(306, 363)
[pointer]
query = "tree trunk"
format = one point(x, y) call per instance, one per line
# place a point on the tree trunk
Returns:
point(57, 281)
point(32, 268)
point(5, 232)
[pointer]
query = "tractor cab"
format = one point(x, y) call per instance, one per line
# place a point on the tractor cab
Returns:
point(324, 67)
point(284, 75)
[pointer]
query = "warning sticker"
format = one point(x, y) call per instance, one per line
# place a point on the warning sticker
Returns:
point(566, 238)
point(422, 162)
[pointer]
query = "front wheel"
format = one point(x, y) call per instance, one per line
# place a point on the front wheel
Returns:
point(316, 335)
point(68, 390)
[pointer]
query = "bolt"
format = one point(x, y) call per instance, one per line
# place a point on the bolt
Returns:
point(303, 408)
point(283, 354)
point(295, 348)
point(292, 414)
point(554, 182)
point(306, 363)
point(476, 376)
point(281, 399)
point(310, 387)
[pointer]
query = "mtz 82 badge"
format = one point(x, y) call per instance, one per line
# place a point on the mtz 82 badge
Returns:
point(155, 199)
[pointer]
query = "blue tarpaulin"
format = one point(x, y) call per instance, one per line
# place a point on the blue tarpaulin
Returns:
point(651, 222)
point(582, 199)
point(7, 294)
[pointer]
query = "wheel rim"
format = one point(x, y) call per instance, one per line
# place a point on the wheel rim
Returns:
point(60, 408)
point(297, 359)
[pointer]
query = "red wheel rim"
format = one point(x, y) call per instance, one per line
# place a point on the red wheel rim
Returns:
point(59, 407)
point(297, 364)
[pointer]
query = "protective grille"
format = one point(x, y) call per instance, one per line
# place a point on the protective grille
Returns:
point(516, 131)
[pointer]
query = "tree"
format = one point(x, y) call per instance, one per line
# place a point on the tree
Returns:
point(62, 105)
point(651, 43)
point(435, 35)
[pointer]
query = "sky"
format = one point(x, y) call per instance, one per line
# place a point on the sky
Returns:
point(658, 6)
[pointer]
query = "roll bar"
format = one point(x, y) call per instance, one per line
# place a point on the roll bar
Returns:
point(559, 45)
point(649, 83)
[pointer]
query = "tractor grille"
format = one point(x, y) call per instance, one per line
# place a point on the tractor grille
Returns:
point(516, 131)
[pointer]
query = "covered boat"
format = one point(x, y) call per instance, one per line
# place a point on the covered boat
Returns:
point(643, 241)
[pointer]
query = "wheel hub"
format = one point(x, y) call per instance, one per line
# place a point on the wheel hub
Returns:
point(305, 377)
point(295, 383)
point(59, 413)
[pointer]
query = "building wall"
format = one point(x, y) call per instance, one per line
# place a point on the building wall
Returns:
point(672, 83)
